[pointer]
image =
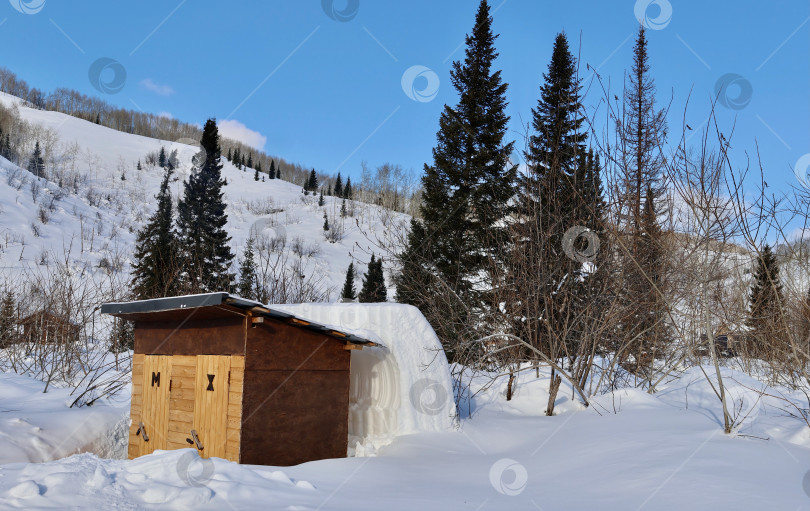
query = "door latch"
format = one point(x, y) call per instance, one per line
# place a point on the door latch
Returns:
point(196, 440)
point(142, 431)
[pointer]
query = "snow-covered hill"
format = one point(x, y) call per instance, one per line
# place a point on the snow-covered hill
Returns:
point(96, 200)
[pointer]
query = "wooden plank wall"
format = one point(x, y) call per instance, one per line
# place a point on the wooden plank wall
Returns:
point(136, 405)
point(181, 400)
point(189, 407)
point(234, 426)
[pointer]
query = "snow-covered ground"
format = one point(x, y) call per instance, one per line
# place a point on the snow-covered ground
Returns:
point(628, 450)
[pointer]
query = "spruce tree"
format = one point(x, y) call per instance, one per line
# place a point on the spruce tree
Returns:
point(347, 190)
point(8, 321)
point(201, 222)
point(325, 222)
point(272, 169)
point(250, 161)
point(373, 290)
point(236, 158)
point(36, 165)
point(230, 156)
point(349, 292)
point(256, 175)
point(247, 273)
point(467, 193)
point(338, 189)
point(122, 337)
point(343, 208)
point(278, 171)
point(321, 202)
point(766, 302)
point(162, 158)
point(557, 192)
point(642, 132)
point(157, 262)
point(312, 183)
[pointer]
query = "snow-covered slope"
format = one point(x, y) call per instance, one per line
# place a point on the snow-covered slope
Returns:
point(95, 214)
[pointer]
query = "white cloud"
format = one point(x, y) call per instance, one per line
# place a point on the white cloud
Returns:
point(151, 85)
point(237, 131)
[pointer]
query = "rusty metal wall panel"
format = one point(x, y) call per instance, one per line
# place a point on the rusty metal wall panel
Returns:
point(274, 345)
point(291, 417)
point(195, 336)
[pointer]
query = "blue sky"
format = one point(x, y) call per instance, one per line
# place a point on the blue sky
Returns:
point(328, 92)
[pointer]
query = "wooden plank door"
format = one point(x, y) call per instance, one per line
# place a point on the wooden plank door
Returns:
point(150, 410)
point(211, 404)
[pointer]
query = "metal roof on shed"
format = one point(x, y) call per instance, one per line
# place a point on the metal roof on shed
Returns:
point(215, 299)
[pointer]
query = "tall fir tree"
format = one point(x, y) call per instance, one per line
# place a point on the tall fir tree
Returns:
point(766, 300)
point(467, 192)
point(8, 320)
point(312, 183)
point(201, 220)
point(642, 132)
point(560, 190)
point(373, 290)
point(272, 169)
point(36, 164)
point(162, 158)
point(338, 189)
point(248, 278)
point(250, 161)
point(347, 189)
point(349, 292)
point(256, 174)
point(157, 262)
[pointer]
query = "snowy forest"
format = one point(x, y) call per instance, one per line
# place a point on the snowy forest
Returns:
point(612, 288)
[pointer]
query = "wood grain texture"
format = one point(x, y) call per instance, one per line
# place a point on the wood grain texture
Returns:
point(151, 406)
point(211, 404)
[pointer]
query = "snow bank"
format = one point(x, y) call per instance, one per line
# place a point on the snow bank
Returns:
point(166, 480)
point(400, 388)
point(36, 427)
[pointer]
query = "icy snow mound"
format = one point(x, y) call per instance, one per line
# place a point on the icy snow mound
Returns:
point(400, 388)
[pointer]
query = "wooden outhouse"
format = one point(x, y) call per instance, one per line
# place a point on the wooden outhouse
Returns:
point(236, 380)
